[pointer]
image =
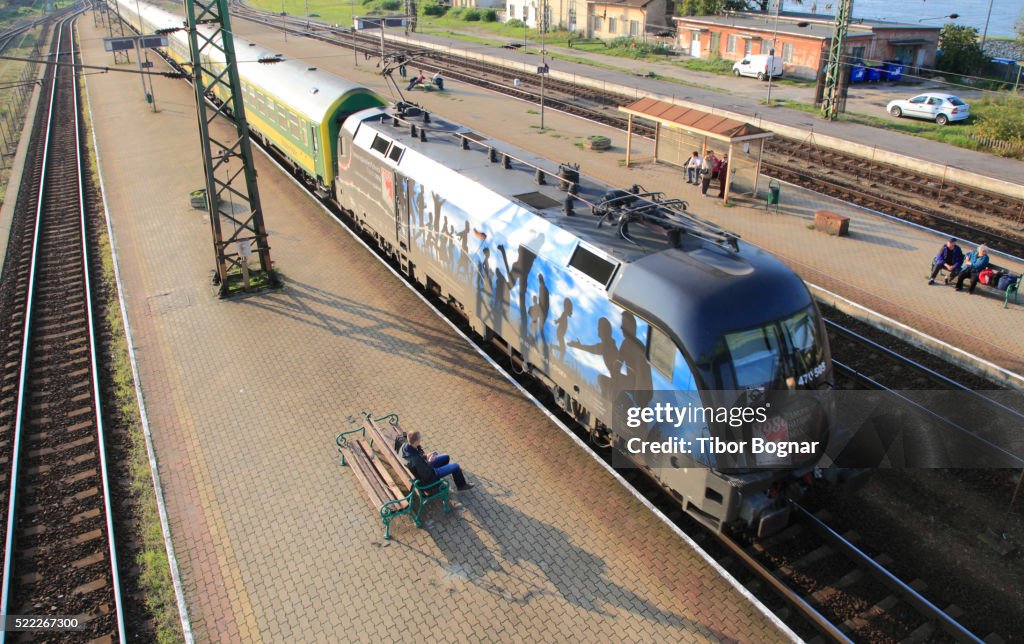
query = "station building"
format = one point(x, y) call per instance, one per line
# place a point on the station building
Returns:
point(604, 19)
point(801, 39)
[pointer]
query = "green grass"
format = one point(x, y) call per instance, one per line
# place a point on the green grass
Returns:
point(11, 111)
point(984, 113)
point(154, 568)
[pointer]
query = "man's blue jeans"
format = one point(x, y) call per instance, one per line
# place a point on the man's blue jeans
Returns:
point(691, 175)
point(442, 468)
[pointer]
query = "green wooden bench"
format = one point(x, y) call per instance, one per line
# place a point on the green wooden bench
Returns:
point(370, 452)
point(1012, 289)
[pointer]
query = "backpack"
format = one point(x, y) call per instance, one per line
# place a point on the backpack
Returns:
point(985, 276)
point(400, 440)
point(1006, 281)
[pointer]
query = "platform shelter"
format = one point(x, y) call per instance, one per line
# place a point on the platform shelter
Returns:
point(679, 131)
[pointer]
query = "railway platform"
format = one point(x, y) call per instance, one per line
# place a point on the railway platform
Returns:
point(882, 265)
point(274, 540)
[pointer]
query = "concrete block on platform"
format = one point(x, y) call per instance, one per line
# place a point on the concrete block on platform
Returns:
point(832, 223)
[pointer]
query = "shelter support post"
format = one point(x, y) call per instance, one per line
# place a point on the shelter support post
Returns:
point(757, 168)
point(657, 138)
point(629, 139)
point(728, 173)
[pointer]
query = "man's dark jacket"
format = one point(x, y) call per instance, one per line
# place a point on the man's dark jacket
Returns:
point(418, 465)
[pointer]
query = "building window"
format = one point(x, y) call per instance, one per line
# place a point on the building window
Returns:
point(598, 23)
point(611, 25)
point(634, 28)
point(766, 46)
point(787, 52)
point(730, 45)
point(858, 53)
point(748, 47)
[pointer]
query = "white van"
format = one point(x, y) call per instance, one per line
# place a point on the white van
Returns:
point(757, 65)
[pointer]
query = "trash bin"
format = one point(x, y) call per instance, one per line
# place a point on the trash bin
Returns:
point(774, 190)
point(874, 74)
point(198, 199)
point(893, 70)
point(857, 73)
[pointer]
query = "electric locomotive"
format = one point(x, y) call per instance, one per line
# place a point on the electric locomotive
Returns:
point(613, 299)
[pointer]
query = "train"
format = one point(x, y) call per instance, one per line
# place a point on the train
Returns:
point(614, 300)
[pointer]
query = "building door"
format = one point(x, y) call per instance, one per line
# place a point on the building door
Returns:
point(695, 44)
point(748, 45)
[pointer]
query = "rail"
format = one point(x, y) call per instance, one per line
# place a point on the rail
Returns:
point(65, 30)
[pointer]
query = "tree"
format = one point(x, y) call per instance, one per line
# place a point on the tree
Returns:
point(700, 7)
point(961, 53)
point(1019, 28)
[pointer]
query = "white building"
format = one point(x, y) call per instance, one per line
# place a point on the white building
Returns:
point(561, 14)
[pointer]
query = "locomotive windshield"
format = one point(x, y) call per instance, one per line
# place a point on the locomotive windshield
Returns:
point(786, 354)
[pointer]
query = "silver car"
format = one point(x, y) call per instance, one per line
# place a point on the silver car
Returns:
point(941, 108)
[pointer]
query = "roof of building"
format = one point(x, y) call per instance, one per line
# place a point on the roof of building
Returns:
point(805, 25)
point(713, 125)
point(640, 4)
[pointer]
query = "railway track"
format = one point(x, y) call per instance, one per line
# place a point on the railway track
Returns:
point(954, 209)
point(899, 609)
point(59, 555)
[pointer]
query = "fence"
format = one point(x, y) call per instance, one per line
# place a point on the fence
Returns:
point(18, 93)
point(1008, 148)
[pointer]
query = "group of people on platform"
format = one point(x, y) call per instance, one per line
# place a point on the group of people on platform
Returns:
point(421, 80)
point(700, 170)
point(951, 258)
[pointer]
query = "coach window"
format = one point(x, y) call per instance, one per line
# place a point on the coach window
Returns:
point(312, 132)
point(661, 351)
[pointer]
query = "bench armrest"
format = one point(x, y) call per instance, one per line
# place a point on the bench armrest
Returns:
point(392, 418)
point(439, 484)
point(342, 440)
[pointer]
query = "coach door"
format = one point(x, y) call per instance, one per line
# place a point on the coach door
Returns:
point(403, 196)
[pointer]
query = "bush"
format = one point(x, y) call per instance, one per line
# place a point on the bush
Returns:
point(433, 9)
point(490, 15)
point(515, 22)
point(391, 5)
point(473, 15)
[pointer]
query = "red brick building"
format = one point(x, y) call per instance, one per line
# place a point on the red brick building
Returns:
point(801, 38)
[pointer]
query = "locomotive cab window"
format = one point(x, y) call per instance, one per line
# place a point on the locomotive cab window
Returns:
point(592, 265)
point(380, 144)
point(661, 351)
point(396, 153)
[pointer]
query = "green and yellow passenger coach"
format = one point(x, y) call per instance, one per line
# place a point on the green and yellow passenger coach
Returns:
point(289, 105)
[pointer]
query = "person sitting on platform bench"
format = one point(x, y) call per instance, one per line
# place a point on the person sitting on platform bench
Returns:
point(976, 262)
point(693, 169)
point(438, 81)
point(950, 257)
point(428, 468)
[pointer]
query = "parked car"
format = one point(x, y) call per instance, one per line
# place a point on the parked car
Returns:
point(758, 65)
point(941, 108)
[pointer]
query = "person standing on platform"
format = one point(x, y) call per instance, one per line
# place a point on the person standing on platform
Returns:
point(950, 257)
point(723, 176)
point(976, 262)
point(707, 170)
point(693, 168)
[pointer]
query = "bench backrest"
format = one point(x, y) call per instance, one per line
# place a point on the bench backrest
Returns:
point(384, 435)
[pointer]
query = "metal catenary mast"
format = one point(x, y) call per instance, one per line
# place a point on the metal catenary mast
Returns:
point(832, 100)
point(232, 196)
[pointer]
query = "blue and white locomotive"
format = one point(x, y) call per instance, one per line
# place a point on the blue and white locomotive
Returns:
point(611, 298)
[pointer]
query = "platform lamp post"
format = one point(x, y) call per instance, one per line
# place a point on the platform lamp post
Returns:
point(984, 34)
point(771, 52)
point(952, 16)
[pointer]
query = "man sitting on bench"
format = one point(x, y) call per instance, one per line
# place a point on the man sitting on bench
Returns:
point(975, 262)
point(429, 468)
point(950, 257)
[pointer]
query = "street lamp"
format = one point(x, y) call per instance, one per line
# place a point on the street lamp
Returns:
point(771, 52)
point(952, 16)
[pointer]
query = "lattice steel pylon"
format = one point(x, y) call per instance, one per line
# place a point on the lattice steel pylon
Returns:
point(831, 98)
point(120, 57)
point(233, 199)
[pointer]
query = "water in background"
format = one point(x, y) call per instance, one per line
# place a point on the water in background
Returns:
point(972, 12)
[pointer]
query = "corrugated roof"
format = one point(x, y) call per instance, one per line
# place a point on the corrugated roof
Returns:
point(713, 125)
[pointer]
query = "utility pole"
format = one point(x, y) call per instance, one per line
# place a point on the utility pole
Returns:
point(233, 202)
point(120, 57)
point(543, 57)
point(835, 66)
point(771, 52)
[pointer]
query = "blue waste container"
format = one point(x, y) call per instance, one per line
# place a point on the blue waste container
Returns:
point(857, 73)
point(874, 74)
point(893, 70)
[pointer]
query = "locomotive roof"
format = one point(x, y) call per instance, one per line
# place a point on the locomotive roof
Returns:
point(313, 92)
point(518, 183)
